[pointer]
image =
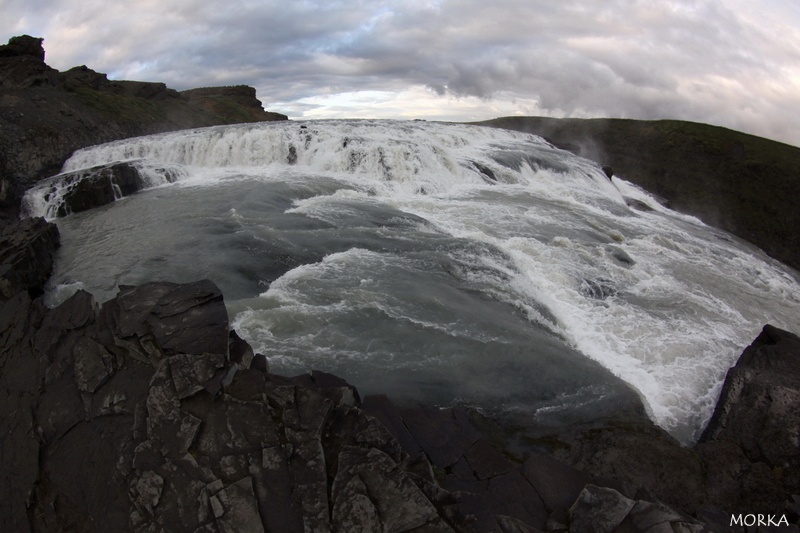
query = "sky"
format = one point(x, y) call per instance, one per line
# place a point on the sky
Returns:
point(732, 63)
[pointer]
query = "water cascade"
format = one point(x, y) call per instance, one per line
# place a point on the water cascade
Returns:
point(437, 262)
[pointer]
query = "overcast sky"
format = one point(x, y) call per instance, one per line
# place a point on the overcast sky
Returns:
point(734, 63)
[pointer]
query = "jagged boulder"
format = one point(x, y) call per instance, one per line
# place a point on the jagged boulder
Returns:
point(604, 510)
point(81, 190)
point(752, 436)
point(27, 248)
point(83, 76)
point(22, 63)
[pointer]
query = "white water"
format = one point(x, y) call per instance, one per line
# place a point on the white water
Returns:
point(682, 299)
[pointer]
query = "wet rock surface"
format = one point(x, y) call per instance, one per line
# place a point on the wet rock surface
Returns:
point(73, 192)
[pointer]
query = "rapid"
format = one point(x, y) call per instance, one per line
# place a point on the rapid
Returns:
point(436, 262)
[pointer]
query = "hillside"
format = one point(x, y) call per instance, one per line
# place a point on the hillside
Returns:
point(45, 114)
point(746, 185)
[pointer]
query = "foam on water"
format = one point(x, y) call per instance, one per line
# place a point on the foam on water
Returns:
point(663, 301)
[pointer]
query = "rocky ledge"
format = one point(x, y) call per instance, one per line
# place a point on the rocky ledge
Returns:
point(147, 413)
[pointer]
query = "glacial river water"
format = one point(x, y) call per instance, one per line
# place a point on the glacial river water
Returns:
point(441, 263)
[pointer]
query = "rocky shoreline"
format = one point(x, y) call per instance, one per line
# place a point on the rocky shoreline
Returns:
point(147, 413)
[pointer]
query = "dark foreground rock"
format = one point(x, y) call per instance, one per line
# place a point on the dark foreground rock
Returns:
point(146, 414)
point(747, 460)
point(755, 429)
point(27, 248)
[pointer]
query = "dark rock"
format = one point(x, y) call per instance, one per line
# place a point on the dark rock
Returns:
point(599, 510)
point(22, 64)
point(83, 76)
point(239, 508)
point(381, 408)
point(85, 484)
point(372, 493)
point(757, 408)
point(598, 288)
point(486, 461)
point(260, 363)
point(511, 495)
point(153, 316)
point(144, 89)
point(608, 171)
point(636, 453)
point(27, 248)
point(488, 173)
point(238, 103)
point(23, 46)
point(558, 484)
point(86, 189)
point(21, 374)
point(758, 412)
point(239, 351)
point(248, 385)
point(445, 434)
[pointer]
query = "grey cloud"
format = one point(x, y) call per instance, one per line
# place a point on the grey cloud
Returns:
point(698, 60)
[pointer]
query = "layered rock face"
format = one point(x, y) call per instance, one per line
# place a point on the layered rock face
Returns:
point(45, 114)
point(81, 190)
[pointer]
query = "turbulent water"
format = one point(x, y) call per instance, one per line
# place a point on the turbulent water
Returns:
point(435, 262)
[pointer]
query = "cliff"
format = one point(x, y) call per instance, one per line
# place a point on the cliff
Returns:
point(45, 114)
point(740, 183)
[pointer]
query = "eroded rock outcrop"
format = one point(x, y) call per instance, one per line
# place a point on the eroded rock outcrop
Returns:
point(747, 460)
point(754, 435)
point(73, 192)
point(27, 248)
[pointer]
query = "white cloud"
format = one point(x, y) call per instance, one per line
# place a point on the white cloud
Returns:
point(729, 62)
